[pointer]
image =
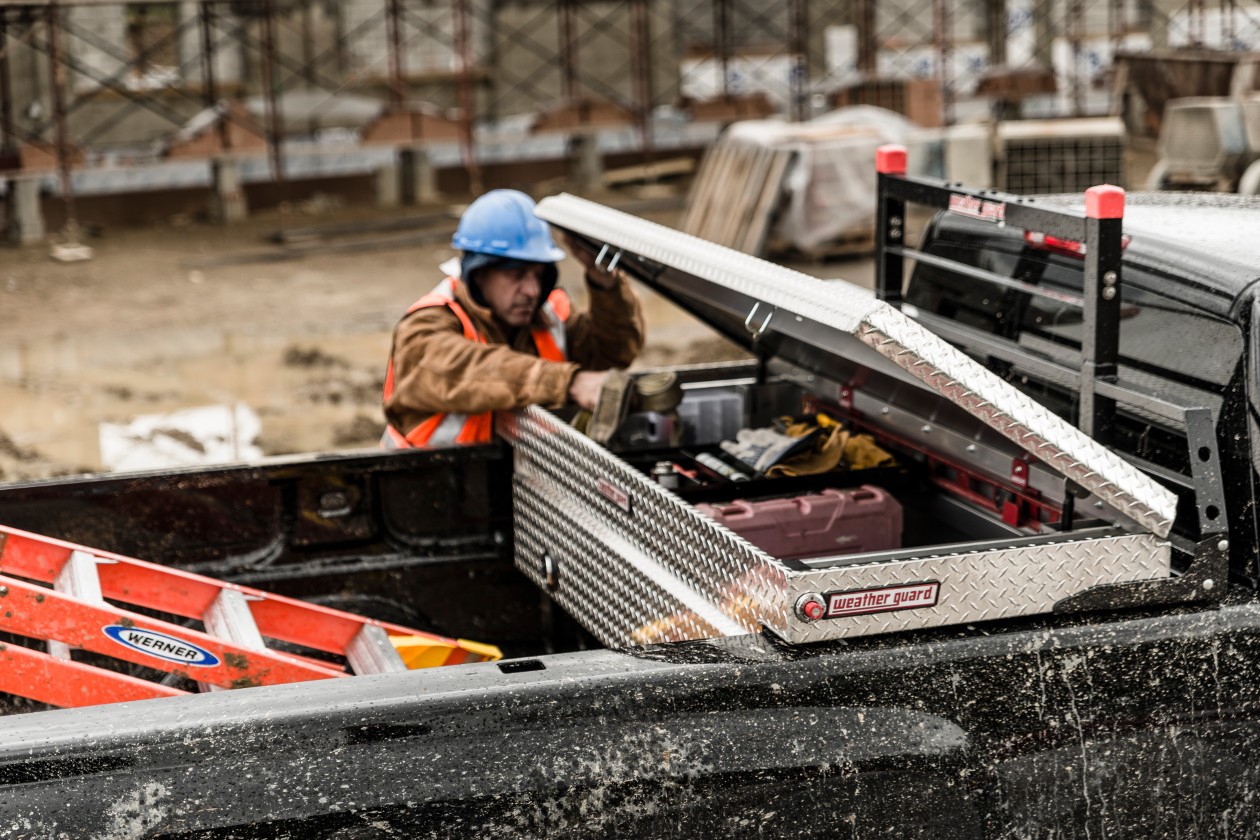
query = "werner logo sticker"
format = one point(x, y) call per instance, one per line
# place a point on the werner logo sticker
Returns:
point(882, 599)
point(162, 646)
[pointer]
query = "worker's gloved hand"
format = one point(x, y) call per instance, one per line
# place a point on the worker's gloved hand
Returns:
point(612, 401)
point(595, 276)
point(761, 449)
point(584, 389)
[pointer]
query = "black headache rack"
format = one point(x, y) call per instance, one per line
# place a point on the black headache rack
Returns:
point(1199, 537)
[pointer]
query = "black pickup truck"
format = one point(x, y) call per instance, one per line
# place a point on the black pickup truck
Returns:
point(1066, 642)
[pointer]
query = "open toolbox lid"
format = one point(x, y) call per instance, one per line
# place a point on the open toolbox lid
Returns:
point(809, 321)
point(635, 563)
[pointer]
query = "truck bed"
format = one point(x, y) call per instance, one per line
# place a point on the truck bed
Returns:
point(1090, 670)
point(1135, 725)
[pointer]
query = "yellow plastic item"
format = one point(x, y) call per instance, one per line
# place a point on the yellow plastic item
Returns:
point(423, 652)
point(826, 421)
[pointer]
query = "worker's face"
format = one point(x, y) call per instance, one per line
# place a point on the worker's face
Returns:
point(512, 293)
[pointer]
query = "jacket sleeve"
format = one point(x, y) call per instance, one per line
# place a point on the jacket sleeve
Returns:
point(609, 334)
point(437, 369)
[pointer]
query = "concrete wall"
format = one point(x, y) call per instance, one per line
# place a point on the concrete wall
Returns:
point(527, 36)
point(427, 33)
point(98, 47)
point(516, 46)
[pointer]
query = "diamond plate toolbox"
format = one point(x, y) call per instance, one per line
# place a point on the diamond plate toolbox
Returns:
point(635, 564)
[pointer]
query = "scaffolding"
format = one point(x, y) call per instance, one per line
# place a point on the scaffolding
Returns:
point(94, 85)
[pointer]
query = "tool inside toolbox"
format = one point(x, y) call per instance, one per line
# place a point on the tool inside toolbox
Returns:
point(911, 498)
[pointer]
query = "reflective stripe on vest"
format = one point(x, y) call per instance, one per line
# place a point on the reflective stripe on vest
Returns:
point(446, 429)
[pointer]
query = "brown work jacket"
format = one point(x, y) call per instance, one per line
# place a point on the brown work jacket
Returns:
point(438, 370)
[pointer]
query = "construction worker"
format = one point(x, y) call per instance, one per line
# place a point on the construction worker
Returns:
point(499, 334)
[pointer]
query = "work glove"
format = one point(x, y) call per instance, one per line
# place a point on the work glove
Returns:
point(823, 456)
point(834, 448)
point(861, 452)
point(601, 424)
point(761, 449)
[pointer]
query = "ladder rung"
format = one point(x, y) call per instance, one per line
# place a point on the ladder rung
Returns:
point(371, 652)
point(78, 579)
point(229, 618)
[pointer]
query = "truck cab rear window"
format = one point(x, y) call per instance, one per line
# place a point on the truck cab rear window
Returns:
point(1177, 351)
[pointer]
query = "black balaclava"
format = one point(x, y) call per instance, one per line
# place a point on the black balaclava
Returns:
point(470, 263)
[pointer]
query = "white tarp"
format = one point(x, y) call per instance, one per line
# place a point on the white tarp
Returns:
point(831, 186)
point(214, 434)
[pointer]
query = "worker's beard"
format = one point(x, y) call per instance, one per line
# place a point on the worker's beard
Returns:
point(520, 314)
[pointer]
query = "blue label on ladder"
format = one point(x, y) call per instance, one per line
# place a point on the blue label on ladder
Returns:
point(170, 648)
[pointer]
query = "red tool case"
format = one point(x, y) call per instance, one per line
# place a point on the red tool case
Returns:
point(828, 523)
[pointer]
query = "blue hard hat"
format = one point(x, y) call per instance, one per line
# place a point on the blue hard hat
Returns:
point(502, 223)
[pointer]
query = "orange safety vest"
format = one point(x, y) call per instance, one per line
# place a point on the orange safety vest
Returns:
point(445, 429)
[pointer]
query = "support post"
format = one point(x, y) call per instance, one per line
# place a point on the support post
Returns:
point(57, 80)
point(588, 164)
point(890, 227)
point(275, 134)
point(568, 52)
point(308, 44)
point(393, 26)
point(722, 42)
point(641, 59)
point(995, 31)
point(210, 87)
point(1075, 25)
point(864, 23)
point(799, 48)
point(23, 210)
point(943, 36)
point(417, 178)
point(386, 185)
point(1100, 342)
point(8, 139)
point(227, 203)
point(463, 52)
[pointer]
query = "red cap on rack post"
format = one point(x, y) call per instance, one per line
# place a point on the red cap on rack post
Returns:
point(890, 160)
point(1104, 202)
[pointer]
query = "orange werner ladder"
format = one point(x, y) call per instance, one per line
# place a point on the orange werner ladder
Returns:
point(60, 596)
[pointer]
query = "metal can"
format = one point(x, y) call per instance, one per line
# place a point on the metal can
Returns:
point(664, 474)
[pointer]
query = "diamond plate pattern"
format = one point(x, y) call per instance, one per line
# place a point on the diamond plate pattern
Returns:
point(983, 586)
point(567, 465)
point(845, 308)
point(662, 572)
point(1026, 422)
point(617, 601)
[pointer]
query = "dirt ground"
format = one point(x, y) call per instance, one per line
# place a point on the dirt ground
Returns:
point(138, 331)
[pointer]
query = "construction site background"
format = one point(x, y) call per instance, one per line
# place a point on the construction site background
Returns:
point(264, 186)
point(130, 112)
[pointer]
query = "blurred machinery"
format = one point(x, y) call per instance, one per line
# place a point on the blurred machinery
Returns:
point(1209, 143)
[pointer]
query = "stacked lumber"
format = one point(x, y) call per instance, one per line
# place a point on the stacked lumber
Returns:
point(736, 194)
point(801, 188)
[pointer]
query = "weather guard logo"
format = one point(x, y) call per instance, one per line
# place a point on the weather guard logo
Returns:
point(613, 493)
point(883, 599)
point(162, 646)
point(966, 205)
